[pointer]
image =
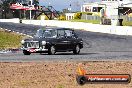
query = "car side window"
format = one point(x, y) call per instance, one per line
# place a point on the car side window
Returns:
point(68, 33)
point(39, 33)
point(61, 33)
point(74, 34)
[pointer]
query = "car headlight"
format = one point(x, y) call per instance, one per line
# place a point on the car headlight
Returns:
point(22, 42)
point(43, 42)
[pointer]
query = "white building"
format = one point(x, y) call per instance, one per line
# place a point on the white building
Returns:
point(118, 1)
point(92, 7)
point(117, 7)
point(69, 16)
point(111, 7)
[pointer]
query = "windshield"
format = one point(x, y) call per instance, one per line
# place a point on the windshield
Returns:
point(39, 33)
point(49, 33)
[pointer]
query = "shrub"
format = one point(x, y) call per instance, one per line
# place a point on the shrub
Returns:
point(87, 13)
point(79, 14)
point(39, 17)
point(62, 17)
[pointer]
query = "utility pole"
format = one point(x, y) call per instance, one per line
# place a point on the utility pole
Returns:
point(30, 9)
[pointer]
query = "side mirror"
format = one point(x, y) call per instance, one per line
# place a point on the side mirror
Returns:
point(75, 35)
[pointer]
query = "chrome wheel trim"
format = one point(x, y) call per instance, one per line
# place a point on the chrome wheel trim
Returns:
point(77, 49)
point(52, 50)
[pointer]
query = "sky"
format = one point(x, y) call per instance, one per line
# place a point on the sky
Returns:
point(63, 4)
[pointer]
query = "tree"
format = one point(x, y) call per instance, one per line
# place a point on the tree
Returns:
point(36, 2)
point(5, 6)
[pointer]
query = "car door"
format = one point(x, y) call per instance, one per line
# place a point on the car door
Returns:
point(61, 40)
point(71, 40)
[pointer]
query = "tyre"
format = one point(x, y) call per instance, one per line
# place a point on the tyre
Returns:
point(26, 52)
point(81, 80)
point(52, 50)
point(76, 50)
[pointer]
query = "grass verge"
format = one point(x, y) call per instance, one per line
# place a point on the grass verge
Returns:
point(86, 21)
point(9, 40)
point(125, 23)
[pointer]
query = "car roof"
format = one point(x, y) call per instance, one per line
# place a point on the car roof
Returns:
point(56, 28)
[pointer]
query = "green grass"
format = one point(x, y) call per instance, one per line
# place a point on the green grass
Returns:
point(126, 23)
point(86, 21)
point(9, 40)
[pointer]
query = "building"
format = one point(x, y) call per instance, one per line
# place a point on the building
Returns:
point(111, 8)
point(117, 1)
point(92, 7)
point(69, 16)
point(117, 7)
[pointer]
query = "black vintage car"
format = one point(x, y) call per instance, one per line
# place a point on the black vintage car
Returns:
point(52, 40)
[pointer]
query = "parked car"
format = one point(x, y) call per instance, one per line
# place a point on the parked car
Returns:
point(53, 40)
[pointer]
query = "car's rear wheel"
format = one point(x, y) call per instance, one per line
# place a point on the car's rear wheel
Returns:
point(76, 49)
point(26, 52)
point(52, 50)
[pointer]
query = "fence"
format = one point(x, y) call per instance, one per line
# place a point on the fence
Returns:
point(128, 18)
point(90, 17)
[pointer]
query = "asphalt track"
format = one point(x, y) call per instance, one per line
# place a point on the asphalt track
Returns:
point(97, 47)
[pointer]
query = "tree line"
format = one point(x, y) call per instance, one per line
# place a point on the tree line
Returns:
point(5, 8)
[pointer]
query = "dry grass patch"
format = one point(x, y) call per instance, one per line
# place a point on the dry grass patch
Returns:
point(58, 74)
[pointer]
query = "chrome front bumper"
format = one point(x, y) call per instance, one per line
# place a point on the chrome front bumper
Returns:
point(33, 50)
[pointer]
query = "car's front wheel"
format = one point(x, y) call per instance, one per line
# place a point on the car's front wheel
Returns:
point(52, 50)
point(76, 50)
point(26, 52)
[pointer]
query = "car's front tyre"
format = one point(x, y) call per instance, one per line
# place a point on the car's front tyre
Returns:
point(52, 50)
point(76, 50)
point(26, 52)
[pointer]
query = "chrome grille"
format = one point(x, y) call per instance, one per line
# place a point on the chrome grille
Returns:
point(32, 44)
